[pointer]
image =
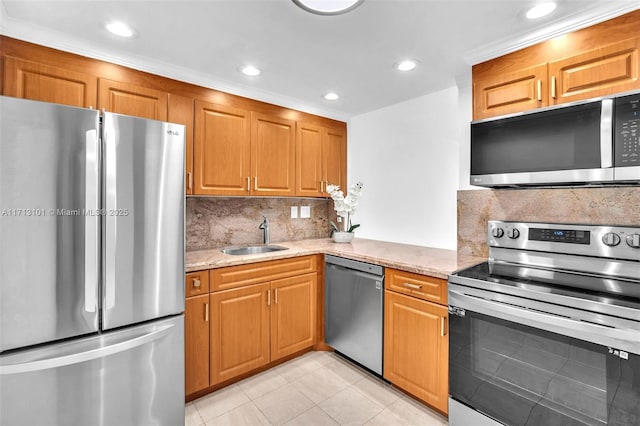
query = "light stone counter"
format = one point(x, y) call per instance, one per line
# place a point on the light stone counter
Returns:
point(422, 260)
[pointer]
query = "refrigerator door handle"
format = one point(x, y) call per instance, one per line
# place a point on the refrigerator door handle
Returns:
point(91, 222)
point(111, 223)
point(95, 353)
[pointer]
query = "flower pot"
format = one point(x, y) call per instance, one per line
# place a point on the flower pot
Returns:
point(342, 237)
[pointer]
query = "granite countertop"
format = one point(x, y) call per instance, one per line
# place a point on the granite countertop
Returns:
point(434, 262)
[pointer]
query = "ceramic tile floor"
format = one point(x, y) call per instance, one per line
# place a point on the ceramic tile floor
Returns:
point(318, 388)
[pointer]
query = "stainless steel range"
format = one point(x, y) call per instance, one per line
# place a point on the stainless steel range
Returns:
point(547, 332)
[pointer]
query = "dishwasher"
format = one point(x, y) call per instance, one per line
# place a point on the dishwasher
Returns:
point(353, 310)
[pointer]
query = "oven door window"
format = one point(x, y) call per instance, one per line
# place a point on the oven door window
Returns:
point(521, 375)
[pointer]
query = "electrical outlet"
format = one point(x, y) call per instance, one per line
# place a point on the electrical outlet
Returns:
point(305, 211)
point(294, 212)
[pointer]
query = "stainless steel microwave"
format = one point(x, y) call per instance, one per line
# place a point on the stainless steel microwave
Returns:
point(591, 142)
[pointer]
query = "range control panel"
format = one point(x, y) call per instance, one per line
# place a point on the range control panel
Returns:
point(622, 242)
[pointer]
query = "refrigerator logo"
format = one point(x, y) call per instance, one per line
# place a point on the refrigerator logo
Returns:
point(619, 353)
point(173, 133)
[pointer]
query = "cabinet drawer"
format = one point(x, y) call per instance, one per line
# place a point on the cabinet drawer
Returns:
point(254, 273)
point(196, 283)
point(422, 286)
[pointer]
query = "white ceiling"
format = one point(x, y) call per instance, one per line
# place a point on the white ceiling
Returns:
point(302, 55)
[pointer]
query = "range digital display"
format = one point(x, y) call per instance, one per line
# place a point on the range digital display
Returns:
point(570, 236)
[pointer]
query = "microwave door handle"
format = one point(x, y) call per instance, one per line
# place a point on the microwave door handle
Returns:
point(606, 134)
point(608, 336)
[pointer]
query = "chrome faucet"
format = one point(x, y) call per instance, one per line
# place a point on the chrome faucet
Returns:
point(265, 229)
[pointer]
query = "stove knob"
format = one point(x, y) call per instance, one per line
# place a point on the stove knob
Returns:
point(497, 232)
point(513, 233)
point(633, 240)
point(611, 239)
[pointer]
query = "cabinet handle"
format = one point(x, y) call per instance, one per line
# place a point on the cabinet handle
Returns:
point(190, 180)
point(248, 183)
point(275, 296)
point(206, 312)
point(196, 282)
point(539, 90)
point(553, 87)
point(255, 183)
point(443, 326)
point(413, 286)
point(268, 297)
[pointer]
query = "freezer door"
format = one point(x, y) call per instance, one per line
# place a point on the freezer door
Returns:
point(48, 222)
point(143, 273)
point(129, 377)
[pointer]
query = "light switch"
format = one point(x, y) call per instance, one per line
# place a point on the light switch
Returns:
point(305, 211)
point(294, 212)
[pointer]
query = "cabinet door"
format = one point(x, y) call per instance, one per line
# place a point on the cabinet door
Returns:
point(222, 150)
point(129, 99)
point(334, 153)
point(180, 110)
point(293, 315)
point(196, 343)
point(309, 173)
point(31, 80)
point(239, 331)
point(273, 155)
point(416, 348)
point(505, 93)
point(605, 71)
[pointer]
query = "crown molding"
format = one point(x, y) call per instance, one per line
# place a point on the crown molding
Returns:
point(38, 35)
point(582, 19)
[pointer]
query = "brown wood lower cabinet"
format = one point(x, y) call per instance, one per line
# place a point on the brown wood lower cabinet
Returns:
point(255, 314)
point(196, 339)
point(416, 348)
point(240, 331)
point(293, 315)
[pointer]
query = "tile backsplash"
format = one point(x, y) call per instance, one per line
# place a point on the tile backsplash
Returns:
point(602, 206)
point(214, 222)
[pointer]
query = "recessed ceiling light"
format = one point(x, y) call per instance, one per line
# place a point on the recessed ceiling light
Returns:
point(540, 10)
point(331, 96)
point(406, 65)
point(328, 7)
point(120, 29)
point(250, 70)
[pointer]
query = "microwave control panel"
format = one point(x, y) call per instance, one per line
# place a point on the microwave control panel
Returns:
point(627, 133)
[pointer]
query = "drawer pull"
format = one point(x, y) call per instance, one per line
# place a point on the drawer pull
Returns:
point(196, 282)
point(412, 286)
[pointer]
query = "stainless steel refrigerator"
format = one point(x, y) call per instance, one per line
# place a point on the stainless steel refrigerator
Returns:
point(91, 267)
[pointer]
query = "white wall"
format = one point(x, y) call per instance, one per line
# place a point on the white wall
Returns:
point(407, 156)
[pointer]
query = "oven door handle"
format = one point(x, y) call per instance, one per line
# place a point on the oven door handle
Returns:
point(628, 340)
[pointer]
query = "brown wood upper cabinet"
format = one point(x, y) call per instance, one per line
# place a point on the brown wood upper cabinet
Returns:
point(598, 72)
point(321, 159)
point(273, 155)
point(595, 61)
point(40, 82)
point(180, 110)
point(515, 91)
point(239, 152)
point(131, 99)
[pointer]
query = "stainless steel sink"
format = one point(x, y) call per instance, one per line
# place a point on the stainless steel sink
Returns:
point(239, 251)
